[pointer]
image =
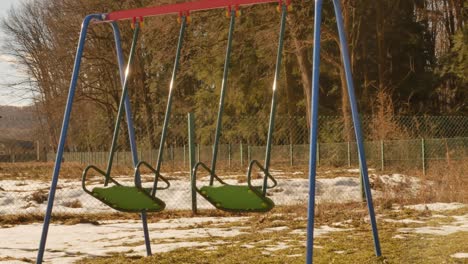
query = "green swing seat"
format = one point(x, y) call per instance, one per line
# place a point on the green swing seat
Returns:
point(237, 198)
point(128, 199)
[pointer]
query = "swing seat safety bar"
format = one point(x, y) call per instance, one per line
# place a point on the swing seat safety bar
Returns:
point(249, 176)
point(203, 165)
point(232, 198)
point(266, 176)
point(157, 176)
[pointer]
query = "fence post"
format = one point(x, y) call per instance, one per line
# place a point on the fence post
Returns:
point(191, 142)
point(184, 156)
point(249, 154)
point(198, 152)
point(241, 155)
point(291, 156)
point(318, 153)
point(382, 155)
point(38, 153)
point(349, 154)
point(423, 156)
point(172, 154)
point(150, 155)
point(229, 155)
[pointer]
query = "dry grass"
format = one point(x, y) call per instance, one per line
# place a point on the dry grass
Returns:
point(38, 197)
point(73, 204)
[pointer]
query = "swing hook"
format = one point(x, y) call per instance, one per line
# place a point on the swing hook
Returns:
point(188, 18)
point(287, 3)
point(140, 21)
point(229, 11)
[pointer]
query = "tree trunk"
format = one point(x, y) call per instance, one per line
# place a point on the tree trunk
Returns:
point(379, 28)
point(305, 71)
point(345, 107)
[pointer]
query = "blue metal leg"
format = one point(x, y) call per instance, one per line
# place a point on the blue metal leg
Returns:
point(63, 134)
point(131, 129)
point(313, 132)
point(357, 124)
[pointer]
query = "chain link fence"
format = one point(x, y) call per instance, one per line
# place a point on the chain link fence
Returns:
point(31, 140)
point(414, 143)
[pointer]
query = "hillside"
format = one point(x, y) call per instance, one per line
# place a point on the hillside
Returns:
point(17, 123)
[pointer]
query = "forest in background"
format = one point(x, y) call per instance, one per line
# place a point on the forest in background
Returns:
point(408, 58)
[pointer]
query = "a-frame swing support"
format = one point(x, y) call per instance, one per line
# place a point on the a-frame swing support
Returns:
point(314, 127)
point(185, 9)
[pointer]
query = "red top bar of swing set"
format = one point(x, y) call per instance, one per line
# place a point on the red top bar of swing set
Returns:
point(182, 8)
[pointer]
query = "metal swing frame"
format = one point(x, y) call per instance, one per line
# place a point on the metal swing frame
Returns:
point(314, 127)
point(184, 9)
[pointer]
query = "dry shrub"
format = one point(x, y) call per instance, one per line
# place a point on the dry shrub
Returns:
point(450, 183)
point(38, 196)
point(73, 204)
point(383, 125)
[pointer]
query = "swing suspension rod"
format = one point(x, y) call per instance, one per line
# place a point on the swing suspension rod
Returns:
point(169, 102)
point(279, 57)
point(181, 8)
point(122, 102)
point(222, 95)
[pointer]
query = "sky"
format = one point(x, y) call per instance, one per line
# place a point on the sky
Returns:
point(8, 71)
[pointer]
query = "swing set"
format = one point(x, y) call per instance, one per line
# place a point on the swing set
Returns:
point(231, 198)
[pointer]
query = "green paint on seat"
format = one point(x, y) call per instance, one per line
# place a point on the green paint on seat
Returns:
point(234, 198)
point(128, 199)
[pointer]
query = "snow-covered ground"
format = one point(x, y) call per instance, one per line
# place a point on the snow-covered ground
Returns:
point(69, 243)
point(16, 195)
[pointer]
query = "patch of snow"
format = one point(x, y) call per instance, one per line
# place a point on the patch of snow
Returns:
point(320, 231)
point(83, 240)
point(342, 224)
point(459, 225)
point(274, 229)
point(340, 252)
point(178, 197)
point(247, 246)
point(17, 194)
point(398, 180)
point(436, 206)
point(460, 255)
point(399, 237)
point(277, 247)
point(404, 221)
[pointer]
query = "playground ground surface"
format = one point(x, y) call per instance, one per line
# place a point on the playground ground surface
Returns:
point(416, 225)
